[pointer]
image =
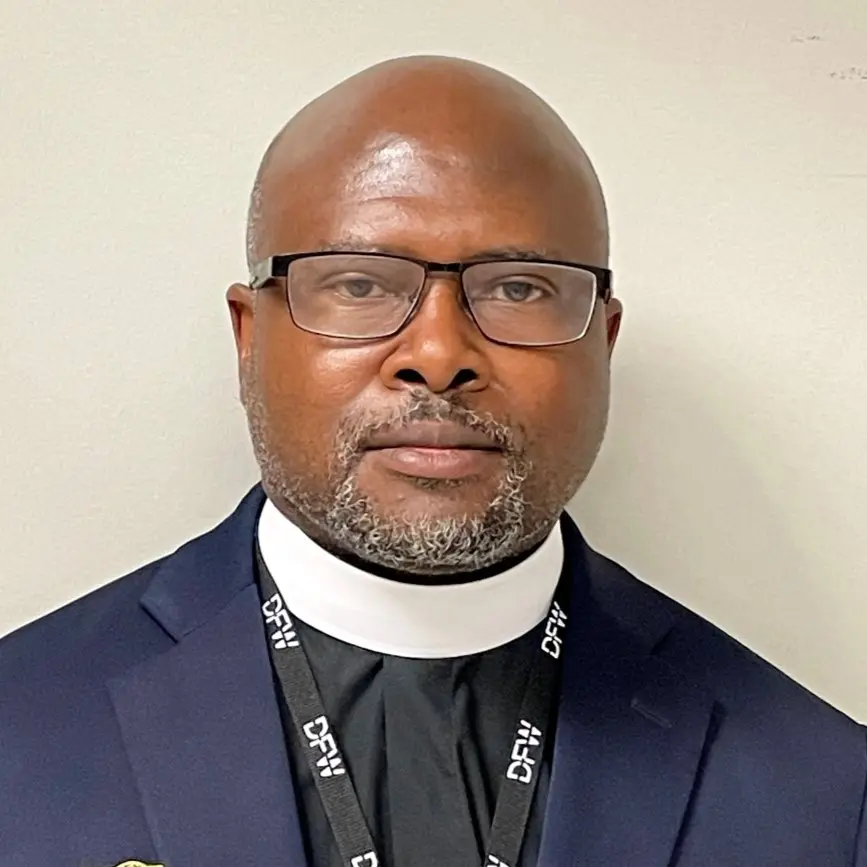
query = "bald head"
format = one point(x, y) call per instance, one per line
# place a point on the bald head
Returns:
point(505, 341)
point(468, 119)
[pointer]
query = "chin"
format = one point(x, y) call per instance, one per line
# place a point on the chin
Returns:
point(431, 498)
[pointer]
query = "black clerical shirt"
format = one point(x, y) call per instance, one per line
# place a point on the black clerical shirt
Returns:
point(426, 742)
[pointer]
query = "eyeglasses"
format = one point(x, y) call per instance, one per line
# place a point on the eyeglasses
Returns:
point(364, 296)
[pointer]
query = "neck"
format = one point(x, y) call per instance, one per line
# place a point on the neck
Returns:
point(430, 579)
point(418, 616)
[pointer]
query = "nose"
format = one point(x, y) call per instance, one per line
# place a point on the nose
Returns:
point(441, 348)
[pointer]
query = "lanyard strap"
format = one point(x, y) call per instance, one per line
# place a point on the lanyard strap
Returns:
point(338, 795)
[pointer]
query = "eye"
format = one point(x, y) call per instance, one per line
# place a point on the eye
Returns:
point(359, 287)
point(516, 291)
point(355, 287)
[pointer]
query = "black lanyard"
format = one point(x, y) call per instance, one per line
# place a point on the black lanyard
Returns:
point(320, 744)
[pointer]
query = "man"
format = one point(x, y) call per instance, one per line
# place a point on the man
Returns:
point(399, 650)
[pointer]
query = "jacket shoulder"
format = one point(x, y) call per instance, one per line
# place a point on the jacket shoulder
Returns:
point(93, 636)
point(144, 612)
point(745, 684)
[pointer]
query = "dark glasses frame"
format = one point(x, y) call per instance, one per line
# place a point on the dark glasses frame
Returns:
point(274, 267)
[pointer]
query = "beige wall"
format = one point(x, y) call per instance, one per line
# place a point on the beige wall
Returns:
point(732, 140)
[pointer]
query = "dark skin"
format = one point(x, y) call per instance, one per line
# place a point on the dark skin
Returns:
point(441, 160)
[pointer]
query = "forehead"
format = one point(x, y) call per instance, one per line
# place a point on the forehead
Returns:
point(443, 197)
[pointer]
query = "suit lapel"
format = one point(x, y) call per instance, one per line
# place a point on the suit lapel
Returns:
point(202, 727)
point(630, 733)
point(200, 723)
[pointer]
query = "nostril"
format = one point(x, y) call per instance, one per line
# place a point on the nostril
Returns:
point(407, 374)
point(413, 377)
point(464, 376)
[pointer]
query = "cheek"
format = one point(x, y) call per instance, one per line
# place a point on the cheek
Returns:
point(560, 396)
point(307, 386)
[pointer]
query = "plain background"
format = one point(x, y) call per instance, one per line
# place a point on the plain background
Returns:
point(732, 141)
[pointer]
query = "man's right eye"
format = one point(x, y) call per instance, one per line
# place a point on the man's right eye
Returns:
point(354, 288)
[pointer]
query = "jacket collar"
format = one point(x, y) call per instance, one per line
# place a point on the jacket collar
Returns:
point(196, 582)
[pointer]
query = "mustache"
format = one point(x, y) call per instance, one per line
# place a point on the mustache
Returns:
point(357, 428)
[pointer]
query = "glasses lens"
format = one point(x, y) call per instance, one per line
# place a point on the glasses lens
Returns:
point(353, 295)
point(530, 303)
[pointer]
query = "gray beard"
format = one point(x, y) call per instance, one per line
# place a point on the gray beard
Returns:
point(429, 545)
point(343, 519)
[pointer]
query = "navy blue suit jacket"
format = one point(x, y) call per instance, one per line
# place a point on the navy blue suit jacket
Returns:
point(140, 722)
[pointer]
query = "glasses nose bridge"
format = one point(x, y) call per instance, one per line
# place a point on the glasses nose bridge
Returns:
point(450, 272)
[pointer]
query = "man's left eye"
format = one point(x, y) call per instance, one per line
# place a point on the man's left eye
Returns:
point(516, 290)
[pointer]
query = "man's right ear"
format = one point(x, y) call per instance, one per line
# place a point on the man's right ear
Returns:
point(242, 304)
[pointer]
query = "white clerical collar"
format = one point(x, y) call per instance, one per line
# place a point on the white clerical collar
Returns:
point(410, 620)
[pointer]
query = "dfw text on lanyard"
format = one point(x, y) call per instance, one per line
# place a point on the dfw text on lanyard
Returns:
point(339, 799)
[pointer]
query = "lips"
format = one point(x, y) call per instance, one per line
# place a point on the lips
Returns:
point(434, 450)
point(432, 435)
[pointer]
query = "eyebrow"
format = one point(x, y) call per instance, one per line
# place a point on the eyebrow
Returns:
point(513, 253)
point(353, 245)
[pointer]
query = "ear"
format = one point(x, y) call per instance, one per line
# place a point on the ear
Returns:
point(613, 318)
point(242, 304)
point(242, 307)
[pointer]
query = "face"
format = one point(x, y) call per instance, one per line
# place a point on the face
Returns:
point(433, 451)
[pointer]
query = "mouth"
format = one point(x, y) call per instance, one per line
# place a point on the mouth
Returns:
point(438, 450)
